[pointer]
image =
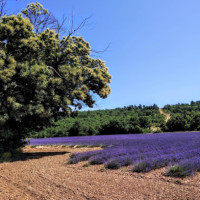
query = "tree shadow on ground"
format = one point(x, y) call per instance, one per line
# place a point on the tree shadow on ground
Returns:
point(36, 155)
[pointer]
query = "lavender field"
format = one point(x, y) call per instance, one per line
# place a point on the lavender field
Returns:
point(178, 152)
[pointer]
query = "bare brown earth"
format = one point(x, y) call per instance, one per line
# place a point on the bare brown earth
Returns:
point(46, 175)
point(167, 115)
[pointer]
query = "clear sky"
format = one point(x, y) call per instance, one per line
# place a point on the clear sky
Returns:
point(154, 56)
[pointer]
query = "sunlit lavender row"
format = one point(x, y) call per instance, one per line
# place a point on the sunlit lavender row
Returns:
point(179, 152)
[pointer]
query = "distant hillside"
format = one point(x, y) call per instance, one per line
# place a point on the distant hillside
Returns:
point(183, 117)
point(183, 108)
point(167, 115)
point(130, 119)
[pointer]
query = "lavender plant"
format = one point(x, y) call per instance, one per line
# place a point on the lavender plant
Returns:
point(179, 152)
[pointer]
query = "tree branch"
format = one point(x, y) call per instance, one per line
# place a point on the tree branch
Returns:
point(72, 30)
point(2, 6)
point(101, 51)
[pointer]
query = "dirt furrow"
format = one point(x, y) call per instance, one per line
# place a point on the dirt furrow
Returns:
point(49, 177)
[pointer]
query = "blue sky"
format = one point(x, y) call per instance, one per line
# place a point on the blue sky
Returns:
point(154, 56)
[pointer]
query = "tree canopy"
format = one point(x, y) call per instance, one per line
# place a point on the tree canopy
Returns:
point(130, 119)
point(43, 77)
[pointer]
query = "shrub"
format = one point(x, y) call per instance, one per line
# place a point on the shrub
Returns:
point(177, 122)
point(102, 169)
point(95, 160)
point(72, 161)
point(179, 171)
point(6, 156)
point(143, 166)
point(112, 164)
point(113, 126)
point(17, 152)
point(72, 155)
point(86, 165)
point(103, 146)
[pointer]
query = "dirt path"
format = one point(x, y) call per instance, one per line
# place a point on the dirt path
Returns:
point(46, 176)
point(167, 116)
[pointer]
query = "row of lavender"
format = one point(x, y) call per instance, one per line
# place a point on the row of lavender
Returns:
point(179, 151)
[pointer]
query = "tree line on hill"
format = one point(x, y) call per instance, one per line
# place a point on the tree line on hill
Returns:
point(184, 117)
point(130, 119)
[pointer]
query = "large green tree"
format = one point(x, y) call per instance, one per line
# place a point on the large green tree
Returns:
point(43, 78)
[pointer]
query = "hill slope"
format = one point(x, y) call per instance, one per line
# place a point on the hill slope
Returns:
point(130, 119)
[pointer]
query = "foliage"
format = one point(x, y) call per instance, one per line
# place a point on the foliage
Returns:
point(184, 117)
point(112, 164)
point(178, 171)
point(177, 122)
point(43, 77)
point(39, 17)
point(131, 119)
point(6, 156)
point(142, 167)
point(142, 152)
point(86, 165)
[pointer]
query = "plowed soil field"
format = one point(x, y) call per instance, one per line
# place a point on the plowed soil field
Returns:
point(45, 174)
